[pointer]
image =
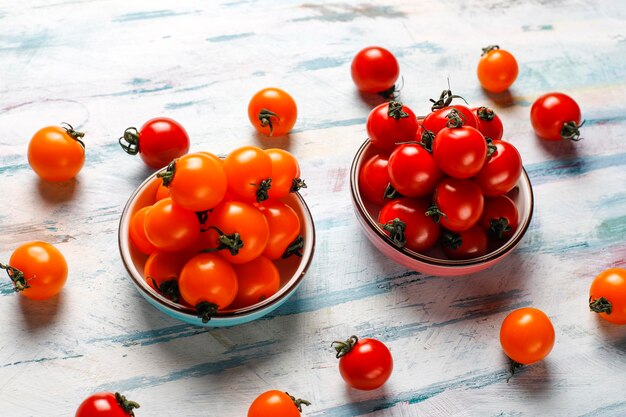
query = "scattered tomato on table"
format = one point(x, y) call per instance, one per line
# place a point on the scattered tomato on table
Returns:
point(276, 403)
point(106, 404)
point(365, 364)
point(272, 111)
point(57, 153)
point(556, 116)
point(375, 70)
point(497, 69)
point(527, 336)
point(607, 295)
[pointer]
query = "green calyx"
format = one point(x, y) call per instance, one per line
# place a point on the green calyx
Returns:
point(395, 110)
point(168, 288)
point(396, 229)
point(600, 305)
point(445, 99)
point(168, 175)
point(126, 405)
point(265, 116)
point(294, 248)
point(455, 119)
point(488, 49)
point(232, 242)
point(296, 185)
point(206, 310)
point(17, 276)
point(485, 113)
point(513, 367)
point(491, 148)
point(434, 213)
point(428, 138)
point(570, 130)
point(343, 348)
point(298, 402)
point(452, 240)
point(391, 193)
point(130, 141)
point(262, 192)
point(498, 227)
point(77, 136)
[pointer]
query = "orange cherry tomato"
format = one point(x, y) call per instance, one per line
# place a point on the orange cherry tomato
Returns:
point(607, 295)
point(162, 192)
point(56, 153)
point(169, 227)
point(244, 220)
point(209, 283)
point(196, 181)
point(497, 69)
point(284, 226)
point(138, 231)
point(276, 403)
point(38, 270)
point(162, 270)
point(527, 335)
point(249, 171)
point(285, 173)
point(272, 112)
point(259, 279)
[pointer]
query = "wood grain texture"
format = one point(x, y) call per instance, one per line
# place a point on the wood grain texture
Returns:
point(106, 65)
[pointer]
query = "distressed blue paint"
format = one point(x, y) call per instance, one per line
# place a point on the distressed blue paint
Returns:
point(6, 287)
point(139, 81)
point(154, 14)
point(320, 63)
point(225, 38)
point(615, 409)
point(40, 360)
point(427, 47)
point(480, 301)
point(339, 12)
point(175, 106)
point(553, 170)
point(25, 43)
point(537, 28)
point(138, 91)
point(305, 125)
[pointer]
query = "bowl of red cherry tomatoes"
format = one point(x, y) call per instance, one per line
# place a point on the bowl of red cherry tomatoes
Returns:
point(219, 241)
point(442, 194)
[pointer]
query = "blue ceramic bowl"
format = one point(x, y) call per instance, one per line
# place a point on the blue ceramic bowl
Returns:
point(292, 270)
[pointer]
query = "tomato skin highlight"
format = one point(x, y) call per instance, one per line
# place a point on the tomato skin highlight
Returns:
point(374, 70)
point(460, 152)
point(413, 171)
point(273, 403)
point(374, 178)
point(54, 155)
point(497, 70)
point(501, 171)
point(208, 278)
point(246, 168)
point(550, 112)
point(527, 335)
point(169, 227)
point(44, 268)
point(285, 169)
point(161, 140)
point(461, 202)
point(367, 366)
point(610, 285)
point(106, 404)
point(280, 104)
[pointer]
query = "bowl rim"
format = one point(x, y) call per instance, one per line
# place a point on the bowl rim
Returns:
point(241, 313)
point(437, 262)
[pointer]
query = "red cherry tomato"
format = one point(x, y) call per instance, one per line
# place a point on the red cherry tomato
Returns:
point(276, 404)
point(501, 171)
point(272, 112)
point(244, 220)
point(497, 69)
point(138, 231)
point(460, 152)
point(158, 142)
point(106, 404)
point(196, 181)
point(412, 171)
point(169, 227)
point(459, 204)
point(248, 171)
point(284, 227)
point(489, 123)
point(438, 119)
point(468, 244)
point(375, 70)
point(391, 123)
point(417, 232)
point(607, 295)
point(285, 173)
point(209, 283)
point(38, 270)
point(56, 153)
point(500, 217)
point(556, 116)
point(258, 279)
point(364, 364)
point(527, 335)
point(374, 178)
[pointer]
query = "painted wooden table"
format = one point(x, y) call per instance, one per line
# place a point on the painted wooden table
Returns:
point(106, 65)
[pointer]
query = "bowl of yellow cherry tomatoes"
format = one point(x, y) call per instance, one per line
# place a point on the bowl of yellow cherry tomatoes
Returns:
point(219, 241)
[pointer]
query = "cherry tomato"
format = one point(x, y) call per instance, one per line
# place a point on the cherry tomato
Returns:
point(375, 70)
point(458, 204)
point(374, 178)
point(497, 69)
point(276, 403)
point(501, 171)
point(272, 112)
point(416, 231)
point(162, 192)
point(607, 295)
point(500, 217)
point(238, 230)
point(209, 283)
point(285, 173)
point(259, 279)
point(38, 270)
point(169, 227)
point(468, 244)
point(56, 153)
point(438, 119)
point(527, 335)
point(138, 231)
point(162, 270)
point(248, 171)
point(364, 364)
point(412, 171)
point(196, 181)
point(106, 404)
point(460, 152)
point(556, 116)
point(158, 142)
point(391, 123)
point(489, 123)
point(284, 227)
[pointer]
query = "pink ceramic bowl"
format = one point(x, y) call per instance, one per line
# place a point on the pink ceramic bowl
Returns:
point(434, 262)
